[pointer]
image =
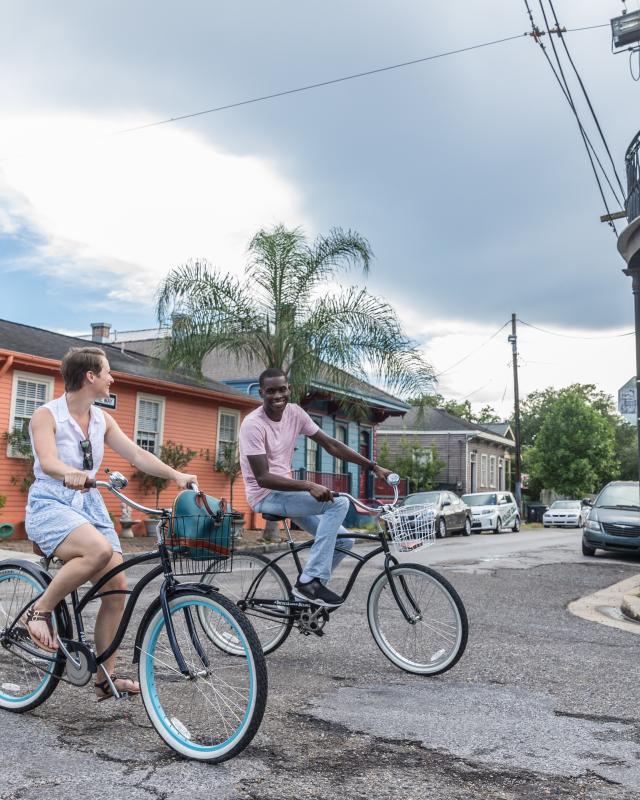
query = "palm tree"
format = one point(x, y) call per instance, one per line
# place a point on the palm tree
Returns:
point(286, 313)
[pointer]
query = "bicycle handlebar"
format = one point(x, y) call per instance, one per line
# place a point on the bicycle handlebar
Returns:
point(393, 482)
point(116, 482)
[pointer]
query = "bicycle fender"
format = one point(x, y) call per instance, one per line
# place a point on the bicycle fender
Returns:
point(181, 588)
point(64, 618)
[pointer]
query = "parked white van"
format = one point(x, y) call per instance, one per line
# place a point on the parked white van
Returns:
point(493, 511)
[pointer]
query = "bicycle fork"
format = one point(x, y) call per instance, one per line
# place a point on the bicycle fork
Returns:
point(414, 614)
point(171, 635)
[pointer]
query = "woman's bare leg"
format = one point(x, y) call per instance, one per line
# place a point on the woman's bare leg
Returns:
point(85, 552)
point(108, 619)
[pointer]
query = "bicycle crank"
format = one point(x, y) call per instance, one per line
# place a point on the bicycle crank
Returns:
point(80, 663)
point(313, 621)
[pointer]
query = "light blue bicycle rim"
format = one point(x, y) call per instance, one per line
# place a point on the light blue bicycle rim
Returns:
point(47, 673)
point(151, 682)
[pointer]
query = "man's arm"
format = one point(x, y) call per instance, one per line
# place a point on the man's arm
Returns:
point(340, 450)
point(279, 483)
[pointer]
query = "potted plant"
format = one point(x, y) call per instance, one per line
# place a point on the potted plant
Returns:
point(20, 445)
point(176, 456)
point(228, 464)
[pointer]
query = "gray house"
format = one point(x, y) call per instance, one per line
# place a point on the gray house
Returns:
point(476, 457)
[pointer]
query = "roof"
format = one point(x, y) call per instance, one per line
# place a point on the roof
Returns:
point(221, 365)
point(501, 428)
point(437, 420)
point(48, 344)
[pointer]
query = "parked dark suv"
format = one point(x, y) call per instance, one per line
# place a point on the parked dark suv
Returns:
point(614, 521)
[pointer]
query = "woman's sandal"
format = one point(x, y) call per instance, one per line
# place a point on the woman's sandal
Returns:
point(34, 615)
point(103, 688)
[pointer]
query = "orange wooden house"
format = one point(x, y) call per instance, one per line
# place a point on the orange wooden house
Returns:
point(151, 406)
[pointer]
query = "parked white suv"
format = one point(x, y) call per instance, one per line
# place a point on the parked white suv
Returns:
point(493, 511)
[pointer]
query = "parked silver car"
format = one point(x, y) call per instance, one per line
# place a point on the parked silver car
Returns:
point(451, 513)
point(565, 514)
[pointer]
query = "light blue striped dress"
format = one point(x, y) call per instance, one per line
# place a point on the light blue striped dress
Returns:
point(53, 511)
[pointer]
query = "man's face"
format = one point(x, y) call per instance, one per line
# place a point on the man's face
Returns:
point(275, 393)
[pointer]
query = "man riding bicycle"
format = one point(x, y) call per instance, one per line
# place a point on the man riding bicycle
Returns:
point(64, 520)
point(267, 441)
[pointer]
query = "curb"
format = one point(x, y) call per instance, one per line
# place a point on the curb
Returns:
point(630, 606)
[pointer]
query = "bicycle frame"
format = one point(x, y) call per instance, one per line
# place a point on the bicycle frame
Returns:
point(298, 605)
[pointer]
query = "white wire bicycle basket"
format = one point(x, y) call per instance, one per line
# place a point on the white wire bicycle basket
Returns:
point(411, 527)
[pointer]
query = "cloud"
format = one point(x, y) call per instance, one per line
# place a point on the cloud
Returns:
point(120, 211)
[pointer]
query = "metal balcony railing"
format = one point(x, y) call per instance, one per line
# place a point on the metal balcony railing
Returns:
point(336, 481)
point(633, 178)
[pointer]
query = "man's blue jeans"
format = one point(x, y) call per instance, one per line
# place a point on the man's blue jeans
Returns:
point(322, 520)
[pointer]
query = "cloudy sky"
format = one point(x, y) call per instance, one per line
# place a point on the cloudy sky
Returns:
point(466, 173)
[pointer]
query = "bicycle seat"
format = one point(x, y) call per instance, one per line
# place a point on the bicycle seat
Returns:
point(274, 517)
point(37, 551)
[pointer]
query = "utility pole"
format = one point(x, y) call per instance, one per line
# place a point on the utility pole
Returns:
point(513, 339)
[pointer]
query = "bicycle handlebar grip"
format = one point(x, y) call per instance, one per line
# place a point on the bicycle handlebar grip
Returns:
point(90, 483)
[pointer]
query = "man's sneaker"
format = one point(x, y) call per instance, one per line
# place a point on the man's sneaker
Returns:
point(317, 594)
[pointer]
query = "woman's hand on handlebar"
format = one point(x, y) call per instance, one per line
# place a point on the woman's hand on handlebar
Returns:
point(76, 479)
point(184, 481)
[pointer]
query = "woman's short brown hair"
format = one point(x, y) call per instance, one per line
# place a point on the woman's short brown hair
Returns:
point(77, 362)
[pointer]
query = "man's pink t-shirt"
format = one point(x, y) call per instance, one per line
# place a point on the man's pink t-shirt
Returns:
point(260, 435)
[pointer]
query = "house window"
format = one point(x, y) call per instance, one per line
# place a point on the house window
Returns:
point(341, 435)
point(312, 455)
point(228, 423)
point(483, 470)
point(149, 422)
point(492, 472)
point(29, 392)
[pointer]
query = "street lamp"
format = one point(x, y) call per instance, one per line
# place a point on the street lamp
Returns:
point(625, 29)
point(629, 248)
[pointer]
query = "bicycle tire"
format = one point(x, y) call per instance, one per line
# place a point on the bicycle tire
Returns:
point(444, 640)
point(25, 680)
point(209, 726)
point(274, 585)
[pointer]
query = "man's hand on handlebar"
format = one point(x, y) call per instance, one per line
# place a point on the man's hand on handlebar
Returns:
point(381, 472)
point(320, 493)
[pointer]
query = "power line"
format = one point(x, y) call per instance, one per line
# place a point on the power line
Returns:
point(564, 86)
point(475, 350)
point(586, 95)
point(569, 336)
point(319, 84)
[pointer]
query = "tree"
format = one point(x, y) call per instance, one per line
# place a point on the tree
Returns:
point(536, 407)
point(460, 409)
point(20, 444)
point(176, 456)
point(286, 314)
point(420, 465)
point(228, 463)
point(574, 450)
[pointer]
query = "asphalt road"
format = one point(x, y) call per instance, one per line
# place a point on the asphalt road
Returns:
point(542, 704)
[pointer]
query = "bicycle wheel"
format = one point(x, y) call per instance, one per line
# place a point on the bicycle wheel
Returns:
point(214, 712)
point(272, 623)
point(26, 680)
point(435, 637)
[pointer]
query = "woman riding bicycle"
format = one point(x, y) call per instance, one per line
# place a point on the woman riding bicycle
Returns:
point(68, 436)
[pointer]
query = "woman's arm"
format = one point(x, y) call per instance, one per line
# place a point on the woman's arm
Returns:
point(43, 433)
point(142, 459)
